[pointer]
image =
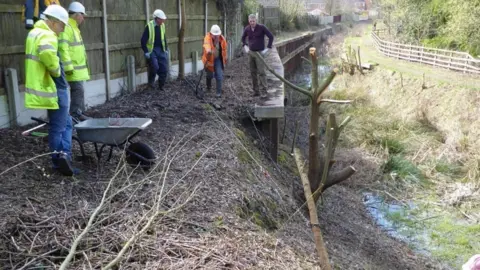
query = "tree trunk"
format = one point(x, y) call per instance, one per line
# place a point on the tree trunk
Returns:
point(181, 39)
point(313, 162)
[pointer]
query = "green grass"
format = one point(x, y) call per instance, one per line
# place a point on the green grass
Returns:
point(403, 168)
point(449, 169)
point(410, 151)
point(455, 243)
point(392, 145)
point(282, 158)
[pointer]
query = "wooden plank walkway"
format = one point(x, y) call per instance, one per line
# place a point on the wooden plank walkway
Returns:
point(272, 106)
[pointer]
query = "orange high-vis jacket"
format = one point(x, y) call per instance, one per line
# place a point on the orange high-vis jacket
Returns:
point(209, 59)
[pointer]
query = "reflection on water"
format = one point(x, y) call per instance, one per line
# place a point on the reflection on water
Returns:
point(397, 220)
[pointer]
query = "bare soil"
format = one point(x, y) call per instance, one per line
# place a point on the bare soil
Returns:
point(243, 213)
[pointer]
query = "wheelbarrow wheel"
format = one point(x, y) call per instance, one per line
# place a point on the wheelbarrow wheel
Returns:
point(140, 154)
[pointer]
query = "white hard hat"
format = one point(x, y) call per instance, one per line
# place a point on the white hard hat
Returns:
point(215, 30)
point(57, 12)
point(77, 7)
point(159, 14)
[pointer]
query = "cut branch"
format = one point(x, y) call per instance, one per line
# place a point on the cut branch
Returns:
point(312, 209)
point(338, 177)
point(324, 86)
point(94, 215)
point(334, 101)
point(306, 60)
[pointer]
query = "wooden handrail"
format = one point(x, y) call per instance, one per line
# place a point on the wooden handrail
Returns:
point(459, 61)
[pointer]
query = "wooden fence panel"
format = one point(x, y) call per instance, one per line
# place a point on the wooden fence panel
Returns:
point(89, 5)
point(126, 23)
point(168, 6)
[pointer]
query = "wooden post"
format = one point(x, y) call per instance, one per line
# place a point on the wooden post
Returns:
point(13, 96)
point(450, 60)
point(106, 53)
point(410, 53)
point(194, 62)
point(359, 62)
point(181, 40)
point(274, 138)
point(131, 76)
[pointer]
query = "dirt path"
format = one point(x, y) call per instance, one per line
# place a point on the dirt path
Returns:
point(432, 74)
point(242, 214)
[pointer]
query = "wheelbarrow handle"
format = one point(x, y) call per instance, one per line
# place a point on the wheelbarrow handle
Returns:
point(39, 120)
point(27, 132)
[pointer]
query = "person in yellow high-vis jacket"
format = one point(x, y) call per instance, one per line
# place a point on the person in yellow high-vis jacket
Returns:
point(155, 48)
point(33, 9)
point(74, 59)
point(46, 86)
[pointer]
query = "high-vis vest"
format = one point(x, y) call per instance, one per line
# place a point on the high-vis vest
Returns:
point(72, 52)
point(38, 6)
point(209, 60)
point(41, 63)
point(151, 35)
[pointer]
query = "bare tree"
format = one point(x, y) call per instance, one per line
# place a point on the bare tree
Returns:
point(319, 176)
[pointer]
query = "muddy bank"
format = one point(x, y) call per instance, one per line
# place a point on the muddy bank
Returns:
point(225, 204)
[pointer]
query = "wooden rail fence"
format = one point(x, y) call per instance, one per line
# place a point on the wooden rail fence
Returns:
point(453, 60)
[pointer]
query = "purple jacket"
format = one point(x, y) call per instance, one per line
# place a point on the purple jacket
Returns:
point(256, 39)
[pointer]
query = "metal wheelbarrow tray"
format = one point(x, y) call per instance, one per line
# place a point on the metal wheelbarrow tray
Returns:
point(116, 132)
point(110, 131)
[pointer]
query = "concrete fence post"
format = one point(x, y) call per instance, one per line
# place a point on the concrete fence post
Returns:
point(194, 62)
point(206, 16)
point(13, 95)
point(147, 11)
point(131, 79)
point(169, 66)
point(106, 51)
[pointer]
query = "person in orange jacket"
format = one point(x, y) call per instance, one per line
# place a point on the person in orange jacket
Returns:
point(33, 9)
point(214, 57)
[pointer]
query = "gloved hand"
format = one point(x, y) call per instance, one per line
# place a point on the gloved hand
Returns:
point(246, 48)
point(29, 24)
point(70, 72)
point(147, 55)
point(265, 51)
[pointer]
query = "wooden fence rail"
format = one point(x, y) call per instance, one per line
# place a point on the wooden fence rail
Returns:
point(453, 60)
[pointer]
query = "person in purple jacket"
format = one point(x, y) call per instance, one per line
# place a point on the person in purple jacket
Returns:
point(256, 42)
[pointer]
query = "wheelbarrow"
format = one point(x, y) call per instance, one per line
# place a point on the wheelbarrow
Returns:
point(111, 132)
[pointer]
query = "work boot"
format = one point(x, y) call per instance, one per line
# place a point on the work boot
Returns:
point(65, 167)
point(219, 88)
point(209, 84)
point(160, 85)
point(151, 86)
point(78, 115)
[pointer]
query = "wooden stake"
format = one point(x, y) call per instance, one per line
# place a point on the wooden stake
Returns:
point(359, 62)
point(312, 209)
